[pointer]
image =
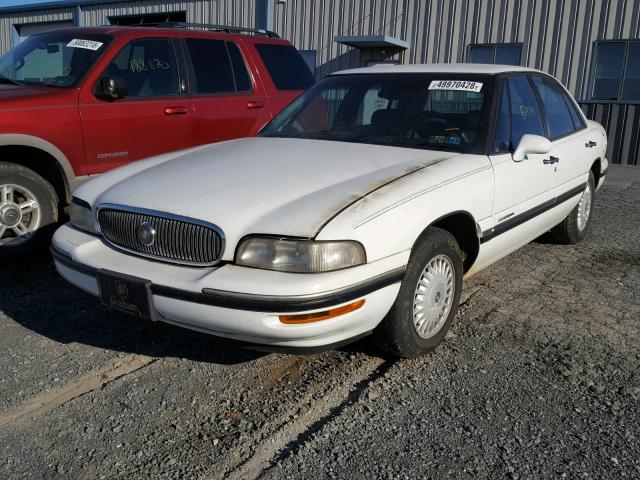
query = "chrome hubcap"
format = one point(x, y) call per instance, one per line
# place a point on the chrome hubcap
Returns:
point(433, 296)
point(584, 208)
point(19, 215)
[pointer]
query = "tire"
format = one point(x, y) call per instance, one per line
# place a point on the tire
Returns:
point(575, 227)
point(438, 251)
point(20, 189)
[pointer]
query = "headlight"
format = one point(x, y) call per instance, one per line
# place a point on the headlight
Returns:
point(299, 256)
point(82, 217)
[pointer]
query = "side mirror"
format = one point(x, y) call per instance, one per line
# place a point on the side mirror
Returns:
point(111, 88)
point(531, 144)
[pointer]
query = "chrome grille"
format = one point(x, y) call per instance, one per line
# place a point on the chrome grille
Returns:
point(177, 239)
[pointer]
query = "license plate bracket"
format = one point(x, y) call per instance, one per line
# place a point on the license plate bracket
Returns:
point(127, 294)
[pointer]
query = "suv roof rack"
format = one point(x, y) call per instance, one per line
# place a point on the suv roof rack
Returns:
point(210, 27)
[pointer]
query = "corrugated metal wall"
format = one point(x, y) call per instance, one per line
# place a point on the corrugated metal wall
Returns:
point(623, 126)
point(7, 23)
point(557, 35)
point(224, 12)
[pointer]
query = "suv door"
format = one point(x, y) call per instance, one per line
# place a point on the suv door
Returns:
point(521, 188)
point(228, 102)
point(154, 117)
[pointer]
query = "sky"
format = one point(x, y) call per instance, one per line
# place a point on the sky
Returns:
point(12, 3)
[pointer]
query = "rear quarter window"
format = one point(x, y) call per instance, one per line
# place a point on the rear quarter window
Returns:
point(287, 68)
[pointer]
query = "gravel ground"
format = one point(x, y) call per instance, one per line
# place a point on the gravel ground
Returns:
point(537, 379)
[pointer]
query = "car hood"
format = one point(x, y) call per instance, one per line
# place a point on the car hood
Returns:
point(267, 185)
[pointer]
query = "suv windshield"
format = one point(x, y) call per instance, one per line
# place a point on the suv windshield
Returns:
point(52, 59)
point(429, 111)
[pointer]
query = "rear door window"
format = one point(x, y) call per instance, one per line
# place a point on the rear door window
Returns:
point(286, 66)
point(240, 72)
point(211, 66)
point(556, 110)
point(524, 110)
point(149, 68)
point(218, 67)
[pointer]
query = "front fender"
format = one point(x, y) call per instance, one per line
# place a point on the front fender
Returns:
point(22, 140)
point(390, 220)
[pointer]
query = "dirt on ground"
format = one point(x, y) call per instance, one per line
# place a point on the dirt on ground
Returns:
point(538, 378)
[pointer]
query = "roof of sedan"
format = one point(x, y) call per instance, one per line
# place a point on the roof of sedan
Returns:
point(477, 68)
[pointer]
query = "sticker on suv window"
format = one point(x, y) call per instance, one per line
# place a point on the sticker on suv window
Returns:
point(462, 85)
point(87, 44)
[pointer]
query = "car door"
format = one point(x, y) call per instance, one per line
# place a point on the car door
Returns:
point(155, 116)
point(567, 130)
point(521, 187)
point(228, 102)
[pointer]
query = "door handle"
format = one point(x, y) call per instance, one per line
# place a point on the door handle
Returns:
point(590, 144)
point(255, 104)
point(551, 160)
point(175, 110)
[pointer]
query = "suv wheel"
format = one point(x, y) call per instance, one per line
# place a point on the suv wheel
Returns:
point(28, 211)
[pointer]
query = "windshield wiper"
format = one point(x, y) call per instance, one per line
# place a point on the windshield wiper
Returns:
point(8, 80)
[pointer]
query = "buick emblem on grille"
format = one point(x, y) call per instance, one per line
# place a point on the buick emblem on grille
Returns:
point(160, 235)
point(146, 234)
point(121, 290)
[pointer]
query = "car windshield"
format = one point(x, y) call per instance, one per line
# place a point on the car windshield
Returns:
point(429, 111)
point(52, 59)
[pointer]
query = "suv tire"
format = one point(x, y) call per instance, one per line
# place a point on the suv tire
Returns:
point(28, 203)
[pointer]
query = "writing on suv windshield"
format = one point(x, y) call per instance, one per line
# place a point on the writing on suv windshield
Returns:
point(52, 59)
point(428, 111)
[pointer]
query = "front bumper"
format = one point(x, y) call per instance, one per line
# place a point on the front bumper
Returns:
point(238, 302)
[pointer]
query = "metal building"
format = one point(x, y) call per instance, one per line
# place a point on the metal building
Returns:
point(592, 46)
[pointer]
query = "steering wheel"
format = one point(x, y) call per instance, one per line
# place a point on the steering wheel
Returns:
point(437, 127)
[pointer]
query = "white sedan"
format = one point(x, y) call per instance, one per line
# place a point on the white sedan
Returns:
point(359, 209)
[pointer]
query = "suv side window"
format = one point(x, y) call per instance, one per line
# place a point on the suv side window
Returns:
point(501, 141)
point(524, 110)
point(148, 66)
point(286, 66)
point(556, 111)
point(211, 66)
point(243, 80)
point(218, 67)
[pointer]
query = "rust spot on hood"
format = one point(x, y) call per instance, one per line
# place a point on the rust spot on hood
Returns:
point(375, 186)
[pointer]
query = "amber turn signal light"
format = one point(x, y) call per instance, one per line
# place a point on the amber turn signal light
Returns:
point(324, 315)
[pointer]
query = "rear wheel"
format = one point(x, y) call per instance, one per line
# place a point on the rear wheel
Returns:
point(28, 211)
point(575, 227)
point(428, 298)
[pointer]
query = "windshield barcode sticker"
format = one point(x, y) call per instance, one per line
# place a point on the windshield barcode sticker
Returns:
point(461, 85)
point(88, 44)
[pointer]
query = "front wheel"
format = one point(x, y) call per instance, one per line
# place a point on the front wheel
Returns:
point(428, 298)
point(28, 211)
point(575, 227)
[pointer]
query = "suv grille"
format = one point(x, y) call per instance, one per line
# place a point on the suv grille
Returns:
point(161, 236)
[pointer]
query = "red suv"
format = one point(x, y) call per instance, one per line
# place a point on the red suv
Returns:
point(77, 102)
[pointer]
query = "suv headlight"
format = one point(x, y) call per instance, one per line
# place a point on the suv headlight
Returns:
point(299, 256)
point(82, 216)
